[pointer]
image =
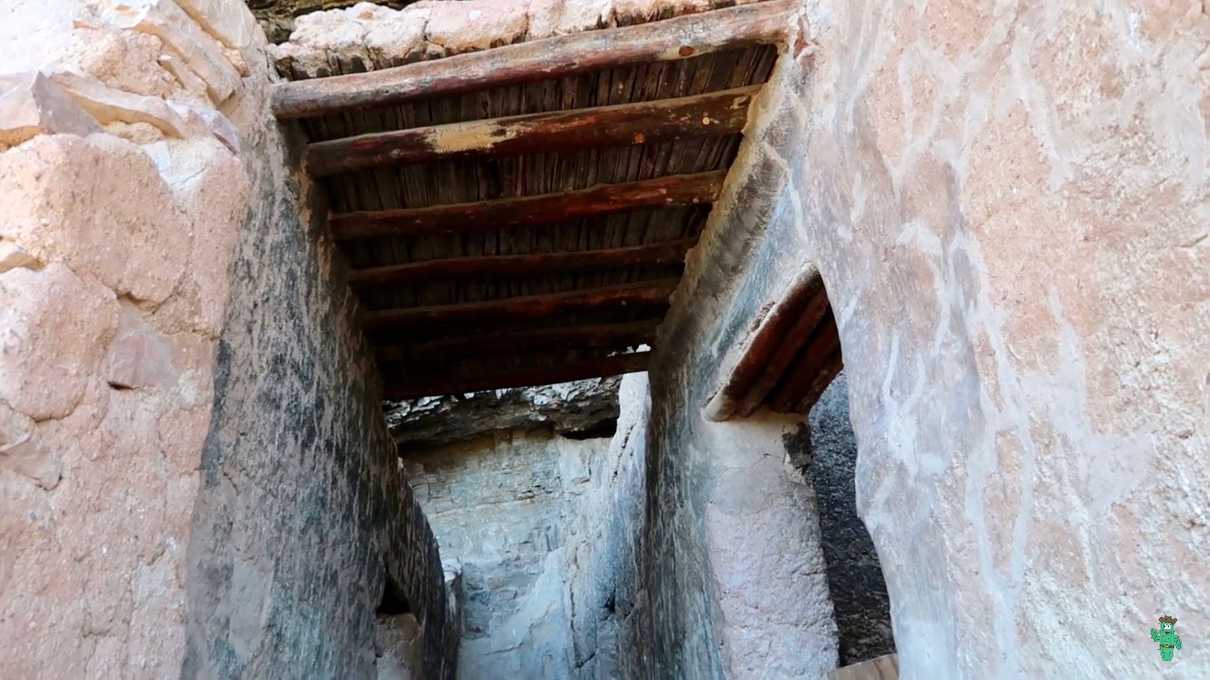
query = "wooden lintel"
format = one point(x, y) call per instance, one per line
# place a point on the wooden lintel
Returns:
point(644, 293)
point(811, 372)
point(617, 336)
point(705, 115)
point(773, 346)
point(458, 381)
point(537, 264)
point(760, 23)
point(603, 199)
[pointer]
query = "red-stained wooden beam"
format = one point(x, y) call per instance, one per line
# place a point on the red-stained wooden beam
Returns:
point(604, 199)
point(813, 370)
point(705, 115)
point(457, 381)
point(686, 36)
point(645, 293)
point(617, 336)
point(772, 348)
point(539, 264)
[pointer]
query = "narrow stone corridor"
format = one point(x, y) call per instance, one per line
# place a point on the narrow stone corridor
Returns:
point(604, 339)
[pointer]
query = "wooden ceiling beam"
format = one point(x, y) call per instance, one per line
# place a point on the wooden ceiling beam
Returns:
point(457, 381)
point(537, 264)
point(705, 115)
point(604, 199)
point(616, 336)
point(686, 36)
point(644, 293)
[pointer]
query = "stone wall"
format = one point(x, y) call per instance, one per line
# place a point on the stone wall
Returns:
point(505, 508)
point(192, 455)
point(1009, 206)
point(122, 193)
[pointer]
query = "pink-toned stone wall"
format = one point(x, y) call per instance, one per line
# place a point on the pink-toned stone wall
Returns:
point(121, 198)
point(196, 479)
point(1009, 205)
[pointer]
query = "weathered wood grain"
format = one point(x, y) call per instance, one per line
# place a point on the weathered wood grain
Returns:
point(533, 265)
point(672, 39)
point(705, 115)
point(617, 336)
point(811, 371)
point(772, 347)
point(524, 307)
point(481, 216)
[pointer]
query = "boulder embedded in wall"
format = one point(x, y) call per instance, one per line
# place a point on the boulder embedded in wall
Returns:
point(212, 187)
point(228, 20)
point(53, 328)
point(167, 21)
point(69, 198)
point(139, 355)
point(475, 24)
point(559, 17)
point(30, 105)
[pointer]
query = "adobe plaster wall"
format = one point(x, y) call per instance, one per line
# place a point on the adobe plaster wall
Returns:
point(195, 475)
point(1009, 206)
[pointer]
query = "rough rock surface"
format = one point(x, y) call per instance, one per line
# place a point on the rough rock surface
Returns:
point(581, 408)
point(505, 510)
point(1009, 208)
point(142, 504)
point(859, 596)
point(109, 317)
point(377, 35)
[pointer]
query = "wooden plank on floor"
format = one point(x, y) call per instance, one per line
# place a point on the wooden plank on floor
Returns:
point(678, 38)
point(705, 115)
point(457, 381)
point(604, 199)
point(881, 668)
point(643, 293)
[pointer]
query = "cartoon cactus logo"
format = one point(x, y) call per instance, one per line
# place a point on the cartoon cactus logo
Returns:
point(1167, 637)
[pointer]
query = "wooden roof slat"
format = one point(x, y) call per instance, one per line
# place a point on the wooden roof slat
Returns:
point(705, 115)
point(594, 336)
point(604, 199)
point(678, 38)
point(525, 306)
point(535, 264)
point(457, 381)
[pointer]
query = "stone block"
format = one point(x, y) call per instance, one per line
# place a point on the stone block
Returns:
point(180, 33)
point(229, 21)
point(31, 104)
point(41, 185)
point(53, 325)
point(139, 356)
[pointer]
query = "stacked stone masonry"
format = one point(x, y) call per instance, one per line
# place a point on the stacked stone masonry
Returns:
point(195, 476)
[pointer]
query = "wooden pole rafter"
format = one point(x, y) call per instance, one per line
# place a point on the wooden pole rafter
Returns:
point(645, 293)
point(617, 336)
point(672, 39)
point(603, 199)
point(538, 264)
point(705, 115)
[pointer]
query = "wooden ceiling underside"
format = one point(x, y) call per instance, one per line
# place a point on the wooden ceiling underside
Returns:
point(520, 216)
